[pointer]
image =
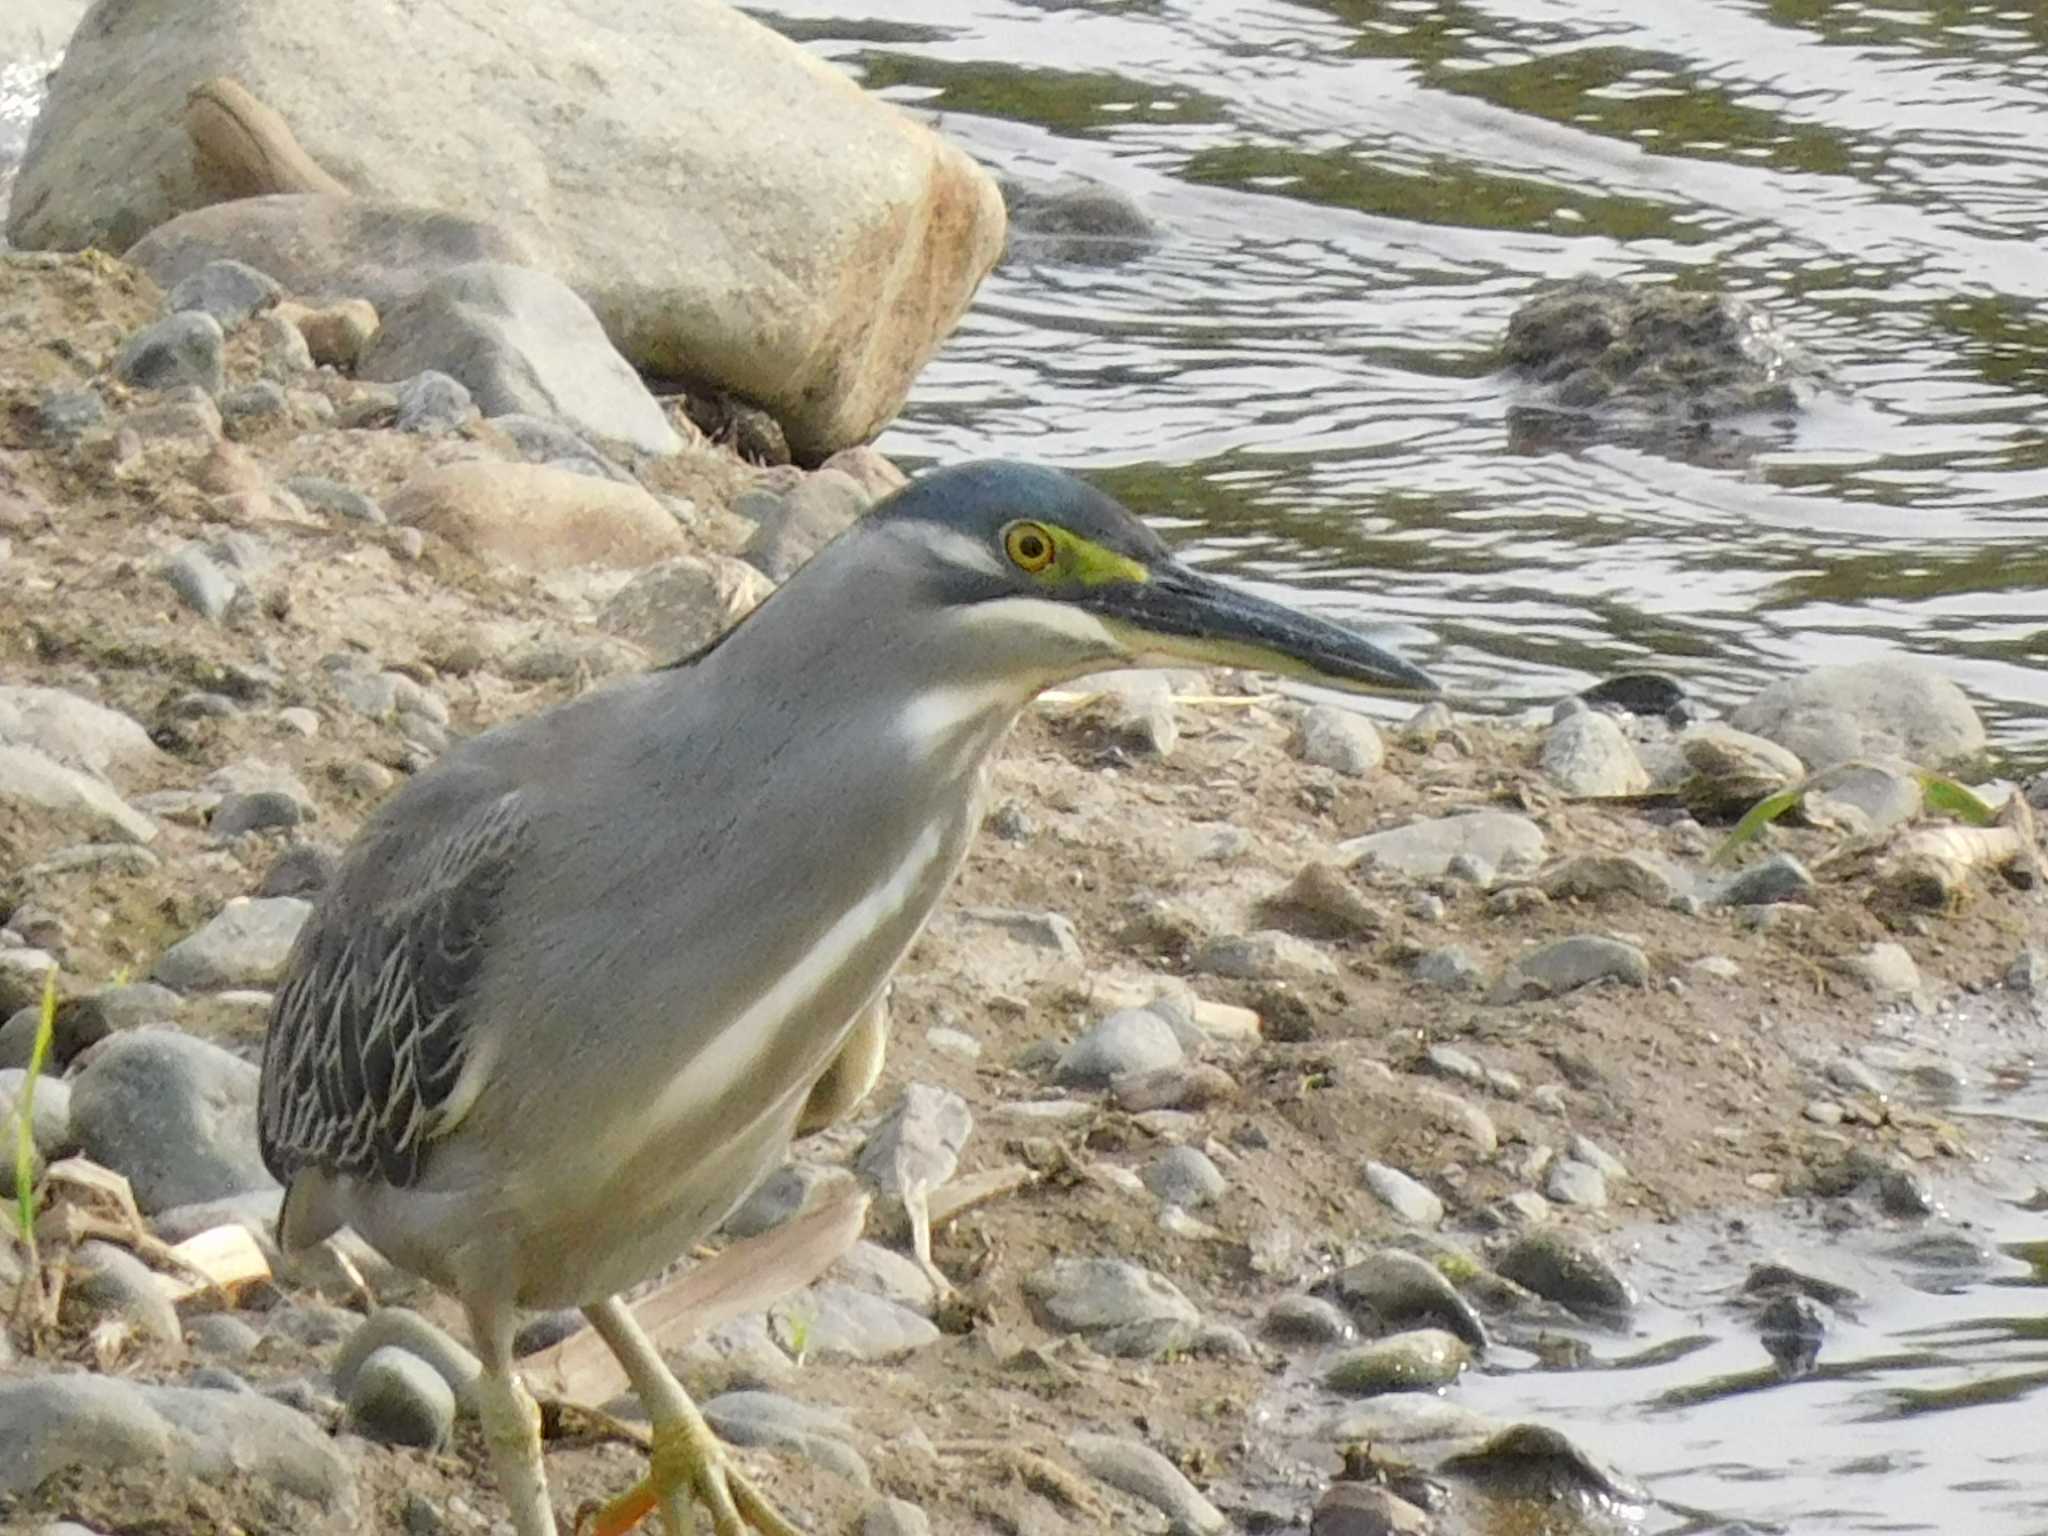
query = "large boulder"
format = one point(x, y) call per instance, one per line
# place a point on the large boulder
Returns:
point(734, 208)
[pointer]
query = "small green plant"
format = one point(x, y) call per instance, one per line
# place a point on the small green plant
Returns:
point(1942, 796)
point(25, 1120)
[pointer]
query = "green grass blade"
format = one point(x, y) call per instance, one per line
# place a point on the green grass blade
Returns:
point(1754, 820)
point(1949, 798)
point(25, 1118)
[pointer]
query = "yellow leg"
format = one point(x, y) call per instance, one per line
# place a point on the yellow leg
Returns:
point(689, 1466)
point(511, 1424)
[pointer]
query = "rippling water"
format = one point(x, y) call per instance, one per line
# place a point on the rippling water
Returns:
point(1354, 196)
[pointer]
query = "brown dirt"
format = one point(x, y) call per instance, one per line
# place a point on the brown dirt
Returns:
point(1696, 1083)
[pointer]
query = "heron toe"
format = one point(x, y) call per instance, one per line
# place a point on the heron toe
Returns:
point(690, 1467)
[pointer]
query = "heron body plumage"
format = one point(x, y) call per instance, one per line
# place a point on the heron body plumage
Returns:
point(575, 988)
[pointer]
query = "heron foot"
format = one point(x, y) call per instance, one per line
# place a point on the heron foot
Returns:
point(689, 1467)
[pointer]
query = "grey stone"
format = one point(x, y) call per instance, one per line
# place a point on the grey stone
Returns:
point(197, 577)
point(1419, 1360)
point(1892, 707)
point(1591, 876)
point(1423, 850)
point(255, 775)
point(522, 342)
point(783, 1194)
point(245, 1445)
point(1322, 902)
point(1270, 954)
point(1565, 1267)
point(2029, 971)
point(918, 1142)
point(541, 440)
point(1365, 1509)
point(303, 870)
point(1186, 1177)
point(283, 351)
point(1134, 709)
point(73, 730)
point(772, 1420)
point(255, 402)
point(396, 1398)
point(50, 1118)
point(223, 1335)
point(113, 1281)
point(1777, 878)
point(179, 349)
point(336, 499)
point(1394, 1289)
point(1072, 220)
point(678, 606)
point(838, 1322)
point(1337, 739)
point(1587, 755)
point(1307, 1320)
point(34, 778)
point(1452, 968)
point(431, 403)
point(70, 413)
point(1404, 1196)
point(1040, 930)
point(1887, 969)
point(1864, 798)
point(1571, 1182)
point(405, 1331)
point(266, 810)
point(1085, 1295)
point(1564, 965)
point(894, 1517)
point(882, 1271)
point(229, 291)
point(175, 1115)
point(1129, 1040)
point(245, 945)
point(1132, 1467)
point(1593, 1155)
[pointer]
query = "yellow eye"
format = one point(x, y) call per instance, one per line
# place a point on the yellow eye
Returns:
point(1029, 546)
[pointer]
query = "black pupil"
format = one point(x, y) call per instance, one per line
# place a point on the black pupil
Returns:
point(1031, 547)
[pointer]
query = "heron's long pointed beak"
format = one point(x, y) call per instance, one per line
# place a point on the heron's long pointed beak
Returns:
point(1179, 615)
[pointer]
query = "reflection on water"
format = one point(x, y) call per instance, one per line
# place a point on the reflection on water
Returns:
point(1353, 196)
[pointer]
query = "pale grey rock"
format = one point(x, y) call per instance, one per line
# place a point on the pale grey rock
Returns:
point(403, 1330)
point(1887, 969)
point(198, 578)
point(1570, 1182)
point(229, 291)
point(838, 1322)
point(174, 1114)
point(894, 1517)
point(1419, 1360)
point(257, 776)
point(1135, 710)
point(1591, 876)
point(113, 1282)
point(1452, 968)
point(1892, 707)
point(35, 30)
point(1087, 1295)
point(73, 730)
point(260, 401)
point(336, 499)
point(246, 944)
point(1404, 1196)
point(755, 269)
point(769, 1419)
point(1052, 931)
point(522, 342)
point(396, 1398)
point(1186, 1177)
point(1423, 850)
point(677, 607)
point(1593, 1155)
point(179, 349)
point(265, 811)
point(222, 1335)
point(246, 1445)
point(792, 527)
point(1568, 964)
point(1586, 754)
point(541, 440)
point(1132, 1467)
point(1864, 797)
point(918, 1143)
point(782, 1195)
point(430, 403)
point(2029, 971)
point(1129, 1040)
point(68, 414)
point(1337, 739)
point(1271, 954)
point(884, 1272)
point(49, 1119)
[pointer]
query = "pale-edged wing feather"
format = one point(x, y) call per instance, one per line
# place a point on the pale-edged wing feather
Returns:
point(372, 1027)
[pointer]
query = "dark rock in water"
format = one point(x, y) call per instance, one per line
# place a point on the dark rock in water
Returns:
point(1642, 694)
point(1782, 1280)
point(1534, 1461)
point(1792, 1329)
point(1604, 357)
point(1075, 222)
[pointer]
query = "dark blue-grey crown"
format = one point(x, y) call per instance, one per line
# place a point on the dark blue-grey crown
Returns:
point(980, 498)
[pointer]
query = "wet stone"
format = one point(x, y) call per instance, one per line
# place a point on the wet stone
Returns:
point(1393, 1289)
point(1307, 1320)
point(1569, 1269)
point(1420, 1360)
point(1134, 1468)
point(396, 1398)
point(1404, 1196)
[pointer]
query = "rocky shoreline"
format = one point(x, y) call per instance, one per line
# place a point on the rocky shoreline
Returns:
point(1280, 1041)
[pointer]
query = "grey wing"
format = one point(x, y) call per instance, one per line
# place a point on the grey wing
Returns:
point(369, 1033)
